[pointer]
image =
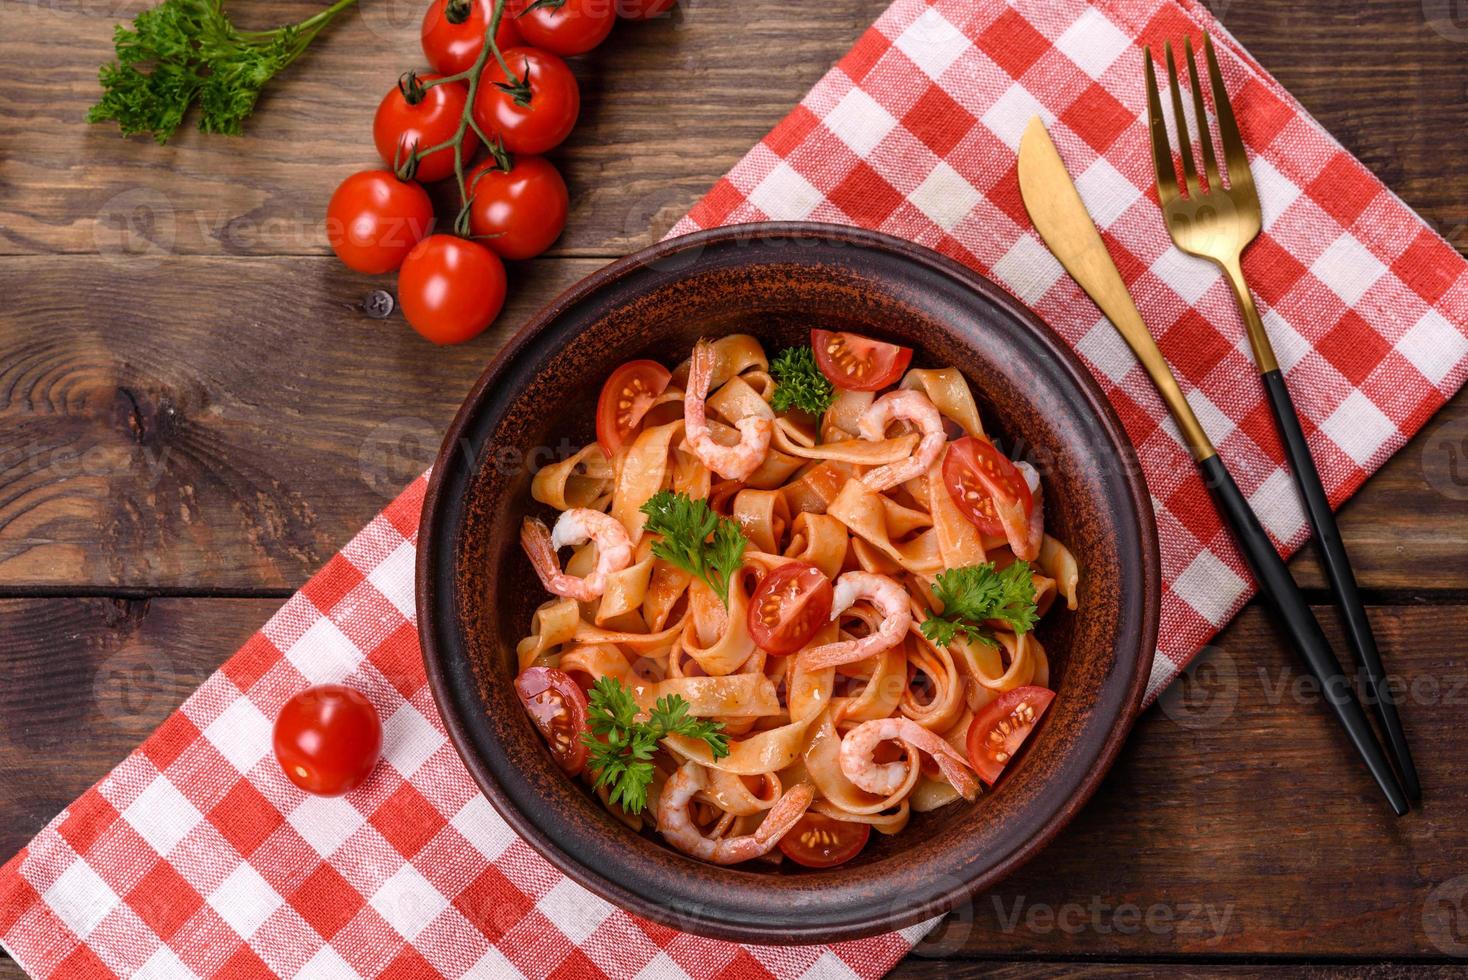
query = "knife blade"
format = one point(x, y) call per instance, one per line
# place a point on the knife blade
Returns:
point(1061, 218)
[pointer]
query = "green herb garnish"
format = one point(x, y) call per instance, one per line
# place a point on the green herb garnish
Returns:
point(799, 382)
point(621, 747)
point(192, 53)
point(695, 539)
point(974, 594)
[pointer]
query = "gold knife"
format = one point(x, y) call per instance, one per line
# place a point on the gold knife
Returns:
point(1061, 218)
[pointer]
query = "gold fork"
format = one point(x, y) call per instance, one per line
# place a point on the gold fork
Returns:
point(1217, 223)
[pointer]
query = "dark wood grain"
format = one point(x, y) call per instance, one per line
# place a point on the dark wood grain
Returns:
point(1083, 970)
point(1236, 796)
point(668, 107)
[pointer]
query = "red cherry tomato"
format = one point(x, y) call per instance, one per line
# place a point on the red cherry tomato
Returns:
point(997, 731)
point(625, 399)
point(643, 9)
point(557, 706)
point(327, 739)
point(453, 33)
point(451, 288)
point(575, 27)
point(518, 213)
point(400, 127)
point(858, 363)
point(789, 606)
point(819, 841)
point(986, 487)
point(550, 112)
point(374, 220)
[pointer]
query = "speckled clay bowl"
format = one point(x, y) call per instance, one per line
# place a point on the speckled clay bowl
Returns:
point(476, 590)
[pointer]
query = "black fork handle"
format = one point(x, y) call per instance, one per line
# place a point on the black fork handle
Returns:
point(1283, 595)
point(1342, 579)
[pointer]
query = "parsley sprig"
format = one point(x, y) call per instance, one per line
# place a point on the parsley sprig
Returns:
point(183, 52)
point(975, 594)
point(695, 539)
point(621, 747)
point(799, 382)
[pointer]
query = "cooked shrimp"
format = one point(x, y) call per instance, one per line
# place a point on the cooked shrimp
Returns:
point(1028, 545)
point(577, 526)
point(884, 778)
point(677, 826)
point(730, 462)
point(912, 406)
point(891, 601)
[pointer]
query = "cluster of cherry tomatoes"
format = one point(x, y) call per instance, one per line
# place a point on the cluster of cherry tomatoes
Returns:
point(517, 100)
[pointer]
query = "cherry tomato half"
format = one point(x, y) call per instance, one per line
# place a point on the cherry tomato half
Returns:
point(643, 9)
point(625, 399)
point(374, 220)
point(858, 363)
point(453, 33)
point(518, 213)
point(997, 731)
point(819, 841)
point(789, 606)
point(557, 706)
point(450, 288)
point(400, 127)
point(987, 488)
point(549, 114)
point(327, 739)
point(575, 27)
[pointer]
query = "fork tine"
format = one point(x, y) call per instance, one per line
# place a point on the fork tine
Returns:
point(1228, 127)
point(1167, 185)
point(1205, 133)
point(1190, 172)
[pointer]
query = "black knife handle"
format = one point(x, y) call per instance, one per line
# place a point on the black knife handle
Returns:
point(1342, 579)
point(1289, 605)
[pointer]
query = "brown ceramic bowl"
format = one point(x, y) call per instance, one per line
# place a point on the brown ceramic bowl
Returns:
point(476, 591)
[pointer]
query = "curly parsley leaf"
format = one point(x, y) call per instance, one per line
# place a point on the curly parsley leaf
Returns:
point(800, 383)
point(620, 748)
point(183, 52)
point(695, 539)
point(975, 594)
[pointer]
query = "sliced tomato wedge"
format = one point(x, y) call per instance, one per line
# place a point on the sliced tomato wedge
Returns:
point(859, 363)
point(997, 731)
point(789, 606)
point(558, 707)
point(819, 841)
point(625, 399)
point(985, 485)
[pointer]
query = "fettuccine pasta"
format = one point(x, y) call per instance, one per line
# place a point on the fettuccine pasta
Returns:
point(818, 622)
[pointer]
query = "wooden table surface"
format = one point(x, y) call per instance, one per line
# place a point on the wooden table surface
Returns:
point(195, 413)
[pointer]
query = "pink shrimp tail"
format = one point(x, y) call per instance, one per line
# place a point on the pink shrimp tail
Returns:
point(535, 538)
point(785, 814)
point(700, 375)
point(955, 769)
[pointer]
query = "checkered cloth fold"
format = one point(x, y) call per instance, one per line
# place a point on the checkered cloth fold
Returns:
point(196, 857)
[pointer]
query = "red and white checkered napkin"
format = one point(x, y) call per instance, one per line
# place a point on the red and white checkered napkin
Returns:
point(915, 133)
point(196, 857)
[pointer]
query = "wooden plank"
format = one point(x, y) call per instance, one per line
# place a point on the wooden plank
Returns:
point(1236, 797)
point(668, 107)
point(244, 464)
point(1011, 969)
point(293, 417)
point(86, 680)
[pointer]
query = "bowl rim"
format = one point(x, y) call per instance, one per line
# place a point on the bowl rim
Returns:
point(883, 918)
